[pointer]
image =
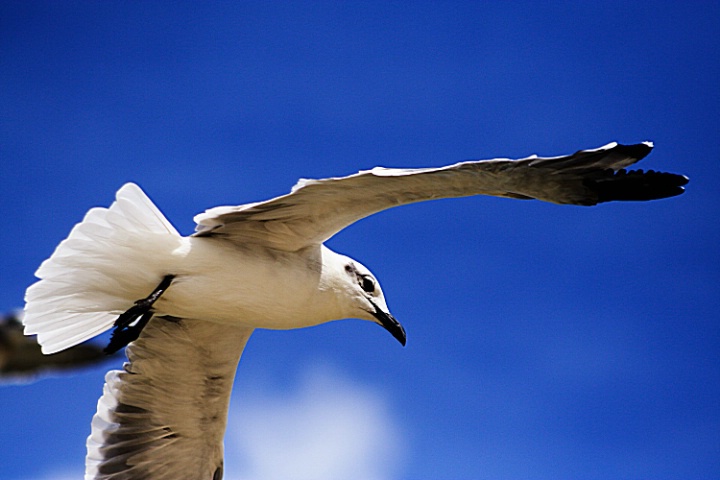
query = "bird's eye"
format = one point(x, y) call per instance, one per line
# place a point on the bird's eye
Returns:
point(367, 284)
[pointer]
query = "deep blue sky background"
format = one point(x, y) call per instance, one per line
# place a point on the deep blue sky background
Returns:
point(544, 341)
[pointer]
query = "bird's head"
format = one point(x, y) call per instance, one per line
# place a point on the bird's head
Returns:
point(366, 298)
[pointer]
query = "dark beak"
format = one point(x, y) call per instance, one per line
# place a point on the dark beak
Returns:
point(390, 324)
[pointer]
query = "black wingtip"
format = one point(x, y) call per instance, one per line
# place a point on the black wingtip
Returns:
point(636, 185)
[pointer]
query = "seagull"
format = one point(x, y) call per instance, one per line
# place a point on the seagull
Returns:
point(185, 307)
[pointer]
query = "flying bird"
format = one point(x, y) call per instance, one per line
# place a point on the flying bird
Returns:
point(21, 359)
point(186, 306)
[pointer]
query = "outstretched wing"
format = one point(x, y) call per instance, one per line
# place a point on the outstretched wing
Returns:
point(164, 415)
point(317, 209)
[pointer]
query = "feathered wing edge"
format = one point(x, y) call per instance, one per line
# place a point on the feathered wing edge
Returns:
point(164, 415)
point(98, 271)
point(317, 209)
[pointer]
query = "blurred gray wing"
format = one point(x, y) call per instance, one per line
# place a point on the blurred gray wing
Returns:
point(163, 416)
point(21, 359)
point(317, 209)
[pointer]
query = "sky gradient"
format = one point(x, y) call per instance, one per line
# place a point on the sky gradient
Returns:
point(543, 341)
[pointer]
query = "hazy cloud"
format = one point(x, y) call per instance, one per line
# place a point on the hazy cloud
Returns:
point(329, 427)
point(62, 474)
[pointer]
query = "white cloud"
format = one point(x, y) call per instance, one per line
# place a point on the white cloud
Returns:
point(328, 428)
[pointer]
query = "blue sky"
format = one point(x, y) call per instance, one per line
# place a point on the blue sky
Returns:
point(543, 341)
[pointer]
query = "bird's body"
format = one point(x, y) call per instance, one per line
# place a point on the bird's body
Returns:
point(118, 255)
point(209, 284)
point(189, 304)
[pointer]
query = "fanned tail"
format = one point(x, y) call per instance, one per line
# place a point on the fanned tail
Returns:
point(108, 260)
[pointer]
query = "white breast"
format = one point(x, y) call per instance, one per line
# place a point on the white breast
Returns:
point(253, 286)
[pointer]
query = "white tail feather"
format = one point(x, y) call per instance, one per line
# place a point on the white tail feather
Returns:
point(113, 257)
